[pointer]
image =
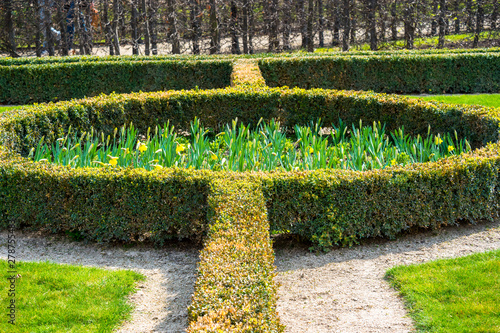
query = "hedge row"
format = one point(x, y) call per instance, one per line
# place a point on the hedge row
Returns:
point(140, 202)
point(235, 291)
point(64, 81)
point(340, 207)
point(6, 61)
point(410, 74)
point(24, 128)
point(103, 204)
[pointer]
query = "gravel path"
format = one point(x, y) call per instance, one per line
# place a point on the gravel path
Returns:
point(161, 300)
point(344, 290)
point(341, 291)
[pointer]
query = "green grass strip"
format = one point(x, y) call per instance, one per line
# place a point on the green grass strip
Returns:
point(492, 100)
point(454, 295)
point(235, 291)
point(51, 297)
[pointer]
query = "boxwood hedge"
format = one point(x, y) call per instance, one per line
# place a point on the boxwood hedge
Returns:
point(7, 61)
point(63, 81)
point(235, 212)
point(74, 198)
point(413, 73)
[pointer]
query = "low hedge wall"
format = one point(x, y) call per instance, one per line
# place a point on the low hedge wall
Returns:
point(181, 193)
point(25, 127)
point(410, 74)
point(7, 61)
point(235, 291)
point(340, 207)
point(64, 81)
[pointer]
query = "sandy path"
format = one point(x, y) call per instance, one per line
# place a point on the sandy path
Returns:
point(344, 290)
point(161, 300)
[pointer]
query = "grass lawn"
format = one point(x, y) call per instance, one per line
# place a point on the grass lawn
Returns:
point(480, 99)
point(454, 295)
point(63, 298)
point(6, 108)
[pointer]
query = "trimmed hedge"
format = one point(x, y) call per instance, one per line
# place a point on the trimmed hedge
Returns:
point(103, 204)
point(23, 128)
point(235, 291)
point(64, 81)
point(172, 203)
point(439, 73)
point(339, 207)
point(7, 61)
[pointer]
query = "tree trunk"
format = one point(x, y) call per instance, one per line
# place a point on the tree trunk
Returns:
point(310, 32)
point(38, 29)
point(394, 22)
point(61, 19)
point(409, 25)
point(173, 36)
point(287, 26)
point(214, 29)
point(302, 22)
point(442, 23)
point(494, 15)
point(114, 27)
point(457, 17)
point(479, 22)
point(135, 33)
point(273, 26)
point(153, 17)
point(346, 7)
point(373, 24)
point(251, 27)
point(337, 23)
point(235, 44)
point(145, 21)
point(321, 24)
point(469, 15)
point(435, 11)
point(9, 25)
point(195, 17)
point(107, 27)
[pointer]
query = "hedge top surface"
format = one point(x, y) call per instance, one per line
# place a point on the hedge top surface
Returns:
point(8, 61)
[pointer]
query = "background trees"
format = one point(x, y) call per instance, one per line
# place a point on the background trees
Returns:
point(236, 26)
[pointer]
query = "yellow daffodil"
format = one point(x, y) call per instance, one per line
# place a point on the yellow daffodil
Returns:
point(126, 151)
point(438, 140)
point(113, 161)
point(450, 148)
point(311, 150)
point(213, 156)
point(158, 167)
point(393, 162)
point(180, 148)
point(142, 147)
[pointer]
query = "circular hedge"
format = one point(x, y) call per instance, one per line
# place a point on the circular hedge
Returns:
point(325, 206)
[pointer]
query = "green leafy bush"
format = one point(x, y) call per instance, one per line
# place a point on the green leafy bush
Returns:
point(413, 73)
point(64, 81)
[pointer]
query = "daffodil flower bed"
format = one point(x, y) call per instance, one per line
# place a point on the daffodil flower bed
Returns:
point(240, 147)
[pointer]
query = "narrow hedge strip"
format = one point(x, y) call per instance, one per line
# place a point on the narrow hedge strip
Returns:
point(64, 81)
point(22, 129)
point(340, 207)
point(246, 72)
point(7, 61)
point(235, 291)
point(441, 73)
